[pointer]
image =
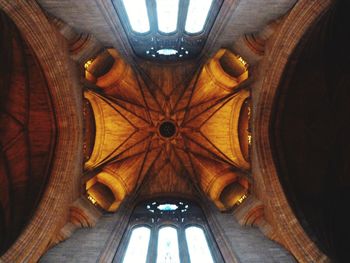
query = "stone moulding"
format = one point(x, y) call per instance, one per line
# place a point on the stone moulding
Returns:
point(291, 234)
point(52, 55)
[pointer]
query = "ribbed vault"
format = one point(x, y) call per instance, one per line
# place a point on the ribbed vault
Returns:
point(128, 154)
point(132, 110)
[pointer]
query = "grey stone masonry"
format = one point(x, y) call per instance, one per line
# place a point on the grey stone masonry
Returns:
point(248, 244)
point(85, 245)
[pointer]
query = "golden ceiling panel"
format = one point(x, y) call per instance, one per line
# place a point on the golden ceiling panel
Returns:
point(221, 129)
point(167, 133)
point(219, 77)
point(106, 190)
point(167, 182)
point(113, 70)
point(112, 130)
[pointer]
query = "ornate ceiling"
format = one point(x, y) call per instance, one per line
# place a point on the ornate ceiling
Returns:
point(167, 135)
point(129, 154)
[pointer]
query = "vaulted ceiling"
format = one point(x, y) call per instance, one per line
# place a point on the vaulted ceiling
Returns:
point(177, 135)
point(112, 125)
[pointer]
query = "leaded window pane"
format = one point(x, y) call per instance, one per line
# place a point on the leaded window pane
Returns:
point(138, 245)
point(137, 14)
point(167, 14)
point(197, 15)
point(197, 245)
point(168, 247)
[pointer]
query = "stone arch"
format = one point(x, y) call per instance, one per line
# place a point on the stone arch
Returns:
point(52, 55)
point(289, 231)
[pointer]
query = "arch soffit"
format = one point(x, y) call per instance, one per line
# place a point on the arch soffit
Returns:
point(279, 49)
point(66, 168)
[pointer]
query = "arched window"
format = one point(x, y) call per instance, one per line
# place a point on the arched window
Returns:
point(167, 30)
point(168, 230)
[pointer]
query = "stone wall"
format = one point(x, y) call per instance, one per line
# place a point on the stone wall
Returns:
point(245, 244)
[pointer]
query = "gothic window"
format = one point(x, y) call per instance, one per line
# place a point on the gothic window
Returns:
point(168, 230)
point(167, 30)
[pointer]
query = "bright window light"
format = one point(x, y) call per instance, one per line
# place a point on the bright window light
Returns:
point(168, 247)
point(197, 15)
point(138, 245)
point(167, 12)
point(137, 13)
point(198, 245)
point(167, 52)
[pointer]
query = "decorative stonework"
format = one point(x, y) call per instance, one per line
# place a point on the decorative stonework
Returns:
point(81, 45)
point(269, 190)
point(66, 171)
point(167, 129)
point(66, 98)
point(191, 133)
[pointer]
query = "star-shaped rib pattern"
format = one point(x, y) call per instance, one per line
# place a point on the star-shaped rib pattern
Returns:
point(204, 147)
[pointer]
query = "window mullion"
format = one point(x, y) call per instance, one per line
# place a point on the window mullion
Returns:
point(167, 224)
point(183, 247)
point(153, 244)
point(214, 249)
point(183, 9)
point(152, 15)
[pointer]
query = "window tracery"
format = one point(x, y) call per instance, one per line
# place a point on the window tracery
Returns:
point(169, 231)
point(167, 30)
